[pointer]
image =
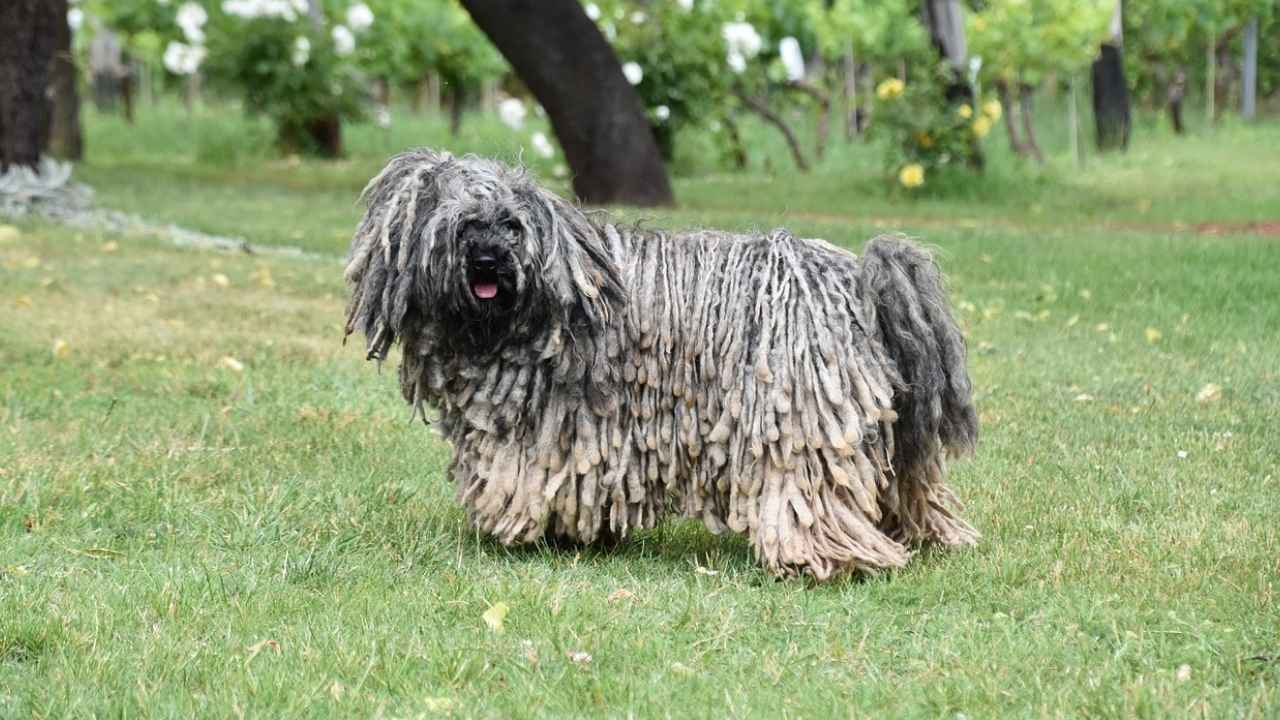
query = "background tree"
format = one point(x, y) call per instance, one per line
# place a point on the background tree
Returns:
point(1110, 89)
point(65, 138)
point(570, 68)
point(29, 29)
point(1023, 42)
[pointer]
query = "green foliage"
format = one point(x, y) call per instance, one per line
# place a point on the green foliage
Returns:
point(412, 38)
point(259, 57)
point(874, 31)
point(1023, 40)
point(923, 133)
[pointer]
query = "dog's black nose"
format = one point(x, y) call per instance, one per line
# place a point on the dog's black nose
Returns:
point(485, 262)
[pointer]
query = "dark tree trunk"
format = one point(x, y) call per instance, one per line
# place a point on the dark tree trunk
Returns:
point(28, 29)
point(65, 138)
point(1177, 90)
point(320, 136)
point(1110, 99)
point(562, 58)
point(945, 21)
point(457, 100)
point(1010, 127)
point(1025, 92)
point(761, 108)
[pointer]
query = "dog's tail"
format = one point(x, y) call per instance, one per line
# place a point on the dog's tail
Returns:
point(905, 304)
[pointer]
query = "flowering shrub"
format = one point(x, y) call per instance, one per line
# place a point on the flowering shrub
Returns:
point(293, 66)
point(923, 134)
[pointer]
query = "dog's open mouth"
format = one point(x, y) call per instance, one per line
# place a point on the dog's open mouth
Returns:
point(484, 284)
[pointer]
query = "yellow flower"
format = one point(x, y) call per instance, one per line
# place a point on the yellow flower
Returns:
point(924, 140)
point(965, 111)
point(911, 176)
point(992, 109)
point(889, 89)
point(979, 24)
point(981, 127)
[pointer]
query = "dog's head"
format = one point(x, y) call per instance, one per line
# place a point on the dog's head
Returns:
point(472, 255)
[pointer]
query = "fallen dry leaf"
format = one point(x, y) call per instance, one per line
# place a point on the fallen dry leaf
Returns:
point(231, 364)
point(336, 690)
point(705, 571)
point(258, 647)
point(110, 247)
point(23, 301)
point(9, 233)
point(578, 656)
point(620, 594)
point(1153, 335)
point(438, 704)
point(61, 348)
point(494, 616)
point(221, 280)
point(1084, 397)
point(1102, 327)
point(530, 651)
point(1184, 673)
point(1211, 392)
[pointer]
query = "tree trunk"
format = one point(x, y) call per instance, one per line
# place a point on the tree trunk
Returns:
point(1028, 127)
point(762, 109)
point(1006, 101)
point(823, 128)
point(1110, 91)
point(65, 138)
point(1177, 90)
point(736, 146)
point(320, 136)
point(1210, 81)
point(945, 22)
point(457, 99)
point(1249, 94)
point(562, 58)
point(850, 73)
point(29, 30)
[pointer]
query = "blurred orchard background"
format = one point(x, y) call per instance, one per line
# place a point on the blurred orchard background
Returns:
point(616, 96)
point(211, 507)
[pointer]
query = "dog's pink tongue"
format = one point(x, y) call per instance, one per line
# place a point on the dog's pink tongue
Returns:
point(485, 291)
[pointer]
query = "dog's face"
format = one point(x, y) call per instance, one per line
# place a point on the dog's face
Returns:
point(474, 255)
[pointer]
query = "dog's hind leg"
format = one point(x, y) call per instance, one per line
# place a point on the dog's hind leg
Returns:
point(816, 518)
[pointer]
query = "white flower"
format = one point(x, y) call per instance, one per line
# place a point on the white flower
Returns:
point(593, 11)
point(183, 59)
point(685, 4)
point(287, 10)
point(512, 112)
point(742, 43)
point(75, 17)
point(638, 17)
point(792, 60)
point(662, 112)
point(191, 18)
point(301, 51)
point(382, 117)
point(634, 72)
point(359, 17)
point(542, 145)
point(344, 42)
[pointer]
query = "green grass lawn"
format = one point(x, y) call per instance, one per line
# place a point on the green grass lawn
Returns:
point(210, 507)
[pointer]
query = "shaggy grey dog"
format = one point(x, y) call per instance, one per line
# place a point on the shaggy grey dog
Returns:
point(593, 378)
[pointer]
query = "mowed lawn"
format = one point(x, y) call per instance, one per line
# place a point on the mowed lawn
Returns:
point(209, 506)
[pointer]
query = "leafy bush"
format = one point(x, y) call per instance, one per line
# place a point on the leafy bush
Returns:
point(922, 133)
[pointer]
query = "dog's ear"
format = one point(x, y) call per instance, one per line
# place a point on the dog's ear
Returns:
point(385, 266)
point(580, 264)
